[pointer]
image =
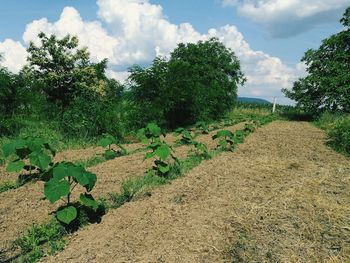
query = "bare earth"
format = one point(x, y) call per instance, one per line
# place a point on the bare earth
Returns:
point(20, 208)
point(283, 196)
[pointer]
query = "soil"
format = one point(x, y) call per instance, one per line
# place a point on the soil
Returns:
point(283, 196)
point(20, 208)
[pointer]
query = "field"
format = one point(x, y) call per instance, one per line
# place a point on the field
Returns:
point(281, 196)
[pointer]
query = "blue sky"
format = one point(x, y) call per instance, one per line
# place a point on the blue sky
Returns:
point(269, 36)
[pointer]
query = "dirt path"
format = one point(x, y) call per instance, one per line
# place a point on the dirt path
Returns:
point(283, 196)
point(20, 208)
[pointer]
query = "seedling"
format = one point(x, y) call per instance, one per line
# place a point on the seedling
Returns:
point(150, 134)
point(65, 177)
point(186, 136)
point(202, 127)
point(30, 154)
point(160, 149)
point(248, 128)
point(110, 153)
point(226, 140)
point(188, 139)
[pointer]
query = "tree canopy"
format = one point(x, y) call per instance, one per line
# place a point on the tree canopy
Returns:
point(198, 82)
point(64, 71)
point(327, 85)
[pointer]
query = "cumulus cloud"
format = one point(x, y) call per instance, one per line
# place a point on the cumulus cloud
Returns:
point(13, 55)
point(135, 31)
point(284, 18)
point(91, 34)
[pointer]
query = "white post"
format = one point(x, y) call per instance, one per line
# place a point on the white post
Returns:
point(274, 105)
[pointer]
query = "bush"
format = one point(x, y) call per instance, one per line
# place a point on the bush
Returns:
point(340, 135)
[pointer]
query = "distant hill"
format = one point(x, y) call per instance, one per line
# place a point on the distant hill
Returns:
point(253, 100)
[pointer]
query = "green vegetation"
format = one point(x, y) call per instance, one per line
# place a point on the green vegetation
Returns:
point(64, 178)
point(30, 153)
point(337, 127)
point(177, 92)
point(110, 153)
point(328, 82)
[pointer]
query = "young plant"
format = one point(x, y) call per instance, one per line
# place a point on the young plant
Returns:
point(188, 139)
point(248, 128)
point(186, 136)
point(30, 154)
point(150, 134)
point(110, 153)
point(159, 149)
point(226, 140)
point(202, 127)
point(65, 177)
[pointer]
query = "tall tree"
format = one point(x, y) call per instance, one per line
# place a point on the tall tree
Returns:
point(63, 70)
point(327, 85)
point(198, 82)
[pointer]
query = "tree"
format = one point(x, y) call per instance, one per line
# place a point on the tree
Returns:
point(327, 85)
point(198, 82)
point(63, 71)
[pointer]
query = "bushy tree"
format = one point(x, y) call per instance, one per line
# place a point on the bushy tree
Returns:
point(327, 85)
point(198, 82)
point(64, 71)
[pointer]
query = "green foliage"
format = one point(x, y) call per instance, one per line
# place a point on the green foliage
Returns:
point(202, 126)
point(107, 141)
point(339, 135)
point(198, 82)
point(31, 245)
point(64, 177)
point(159, 149)
point(188, 139)
point(227, 140)
point(29, 153)
point(7, 186)
point(328, 82)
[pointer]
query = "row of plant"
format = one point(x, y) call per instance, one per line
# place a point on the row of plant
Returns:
point(62, 178)
point(34, 166)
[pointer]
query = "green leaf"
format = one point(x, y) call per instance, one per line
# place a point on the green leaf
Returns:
point(67, 214)
point(10, 148)
point(50, 148)
point(149, 155)
point(162, 167)
point(55, 189)
point(104, 142)
point(163, 152)
point(15, 166)
point(60, 171)
point(110, 154)
point(91, 180)
point(40, 159)
point(88, 200)
point(222, 133)
point(154, 129)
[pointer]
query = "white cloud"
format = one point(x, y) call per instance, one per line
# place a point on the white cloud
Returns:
point(13, 54)
point(91, 34)
point(289, 17)
point(136, 31)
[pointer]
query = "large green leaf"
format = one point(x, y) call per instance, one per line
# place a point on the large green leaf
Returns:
point(88, 200)
point(104, 142)
point(222, 133)
point(50, 148)
point(10, 148)
point(60, 171)
point(163, 152)
point(67, 214)
point(55, 189)
point(35, 144)
point(40, 159)
point(91, 180)
point(110, 154)
point(15, 166)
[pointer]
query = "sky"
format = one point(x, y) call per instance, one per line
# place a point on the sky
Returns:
point(268, 36)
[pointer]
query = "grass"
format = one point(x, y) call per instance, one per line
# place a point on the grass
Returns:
point(337, 126)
